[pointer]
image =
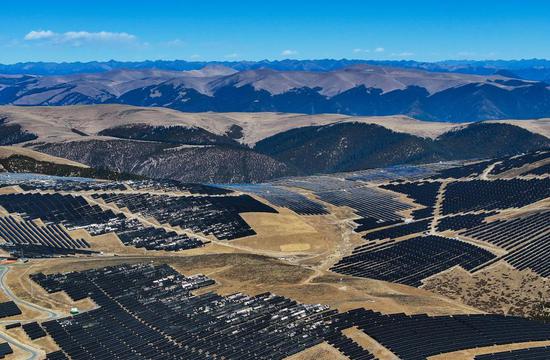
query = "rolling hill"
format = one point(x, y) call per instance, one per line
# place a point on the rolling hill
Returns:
point(20, 160)
point(255, 147)
point(353, 146)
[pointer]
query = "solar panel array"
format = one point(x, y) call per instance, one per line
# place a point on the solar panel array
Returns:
point(394, 232)
point(72, 186)
point(28, 239)
point(371, 204)
point(422, 192)
point(215, 215)
point(512, 232)
point(8, 309)
point(366, 202)
point(283, 197)
point(541, 170)
point(462, 221)
point(71, 211)
point(396, 172)
point(375, 207)
point(74, 212)
point(319, 183)
point(410, 261)
point(56, 355)
point(151, 238)
point(5, 349)
point(34, 330)
point(28, 181)
point(464, 196)
point(536, 353)
point(515, 162)
point(349, 348)
point(417, 337)
point(461, 201)
point(156, 316)
point(177, 186)
point(534, 255)
point(13, 325)
point(463, 171)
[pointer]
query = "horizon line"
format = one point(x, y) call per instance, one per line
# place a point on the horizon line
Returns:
point(271, 60)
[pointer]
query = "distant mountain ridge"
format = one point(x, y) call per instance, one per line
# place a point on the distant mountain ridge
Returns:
point(359, 89)
point(529, 69)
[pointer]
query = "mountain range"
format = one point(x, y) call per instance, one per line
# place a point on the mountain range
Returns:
point(360, 89)
point(528, 69)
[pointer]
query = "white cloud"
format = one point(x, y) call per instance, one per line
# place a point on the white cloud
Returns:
point(78, 37)
point(40, 35)
point(175, 43)
point(195, 56)
point(289, 52)
point(97, 36)
point(359, 50)
point(466, 53)
point(379, 49)
point(231, 56)
point(13, 43)
point(403, 54)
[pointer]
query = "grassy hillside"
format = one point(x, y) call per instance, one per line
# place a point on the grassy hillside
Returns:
point(354, 146)
point(255, 147)
point(18, 160)
point(188, 163)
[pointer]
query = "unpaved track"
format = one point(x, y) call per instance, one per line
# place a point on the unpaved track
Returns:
point(4, 287)
point(34, 353)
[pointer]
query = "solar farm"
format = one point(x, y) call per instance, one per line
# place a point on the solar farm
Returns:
point(338, 266)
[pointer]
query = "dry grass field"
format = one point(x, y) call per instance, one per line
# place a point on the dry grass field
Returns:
point(366, 342)
point(55, 123)
point(7, 151)
point(497, 289)
point(470, 353)
point(323, 351)
point(250, 274)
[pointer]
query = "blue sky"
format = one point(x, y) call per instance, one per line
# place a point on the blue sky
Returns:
point(254, 30)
